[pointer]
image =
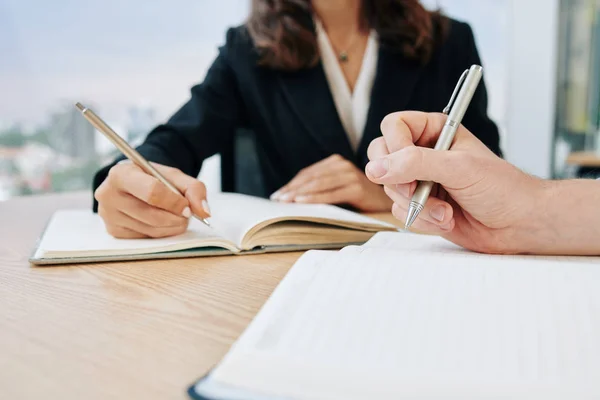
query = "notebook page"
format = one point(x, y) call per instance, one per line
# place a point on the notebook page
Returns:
point(405, 241)
point(413, 242)
point(372, 323)
point(82, 231)
point(236, 214)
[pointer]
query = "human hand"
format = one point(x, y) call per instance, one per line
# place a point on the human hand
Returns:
point(484, 203)
point(334, 180)
point(134, 204)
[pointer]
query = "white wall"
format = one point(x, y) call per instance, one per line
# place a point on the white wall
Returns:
point(489, 21)
point(517, 40)
point(532, 63)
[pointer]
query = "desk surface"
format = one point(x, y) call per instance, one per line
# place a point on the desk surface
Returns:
point(584, 159)
point(142, 330)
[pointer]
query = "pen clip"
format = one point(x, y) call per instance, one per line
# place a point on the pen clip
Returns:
point(455, 93)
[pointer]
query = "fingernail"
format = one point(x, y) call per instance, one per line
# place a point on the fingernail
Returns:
point(275, 195)
point(206, 207)
point(379, 168)
point(301, 199)
point(447, 227)
point(286, 197)
point(438, 213)
point(186, 213)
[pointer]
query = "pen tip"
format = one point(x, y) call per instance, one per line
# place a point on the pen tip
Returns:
point(80, 107)
point(413, 212)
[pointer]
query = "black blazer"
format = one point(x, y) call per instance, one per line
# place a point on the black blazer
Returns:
point(293, 115)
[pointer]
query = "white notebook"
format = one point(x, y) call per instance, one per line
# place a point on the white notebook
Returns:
point(239, 225)
point(372, 322)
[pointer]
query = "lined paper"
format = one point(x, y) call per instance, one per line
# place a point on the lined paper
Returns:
point(416, 243)
point(371, 321)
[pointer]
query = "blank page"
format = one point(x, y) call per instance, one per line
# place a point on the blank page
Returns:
point(78, 233)
point(81, 233)
point(376, 323)
point(236, 214)
point(416, 243)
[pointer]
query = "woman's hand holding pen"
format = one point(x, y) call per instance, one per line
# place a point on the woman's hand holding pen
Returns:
point(334, 180)
point(134, 204)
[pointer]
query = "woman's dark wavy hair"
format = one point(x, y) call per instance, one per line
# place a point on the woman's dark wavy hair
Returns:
point(283, 33)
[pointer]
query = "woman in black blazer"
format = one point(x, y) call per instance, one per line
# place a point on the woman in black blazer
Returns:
point(276, 76)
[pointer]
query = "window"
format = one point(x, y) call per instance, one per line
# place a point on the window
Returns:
point(132, 61)
point(577, 133)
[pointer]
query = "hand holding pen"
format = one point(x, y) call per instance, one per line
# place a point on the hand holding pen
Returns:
point(480, 201)
point(456, 109)
point(141, 199)
point(401, 149)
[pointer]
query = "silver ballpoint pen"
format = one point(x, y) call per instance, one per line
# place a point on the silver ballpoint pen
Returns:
point(129, 151)
point(456, 109)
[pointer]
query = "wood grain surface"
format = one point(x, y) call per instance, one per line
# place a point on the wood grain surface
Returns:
point(584, 159)
point(137, 330)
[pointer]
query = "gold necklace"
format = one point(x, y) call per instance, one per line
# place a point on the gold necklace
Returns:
point(343, 55)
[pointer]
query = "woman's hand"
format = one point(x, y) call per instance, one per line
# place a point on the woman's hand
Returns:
point(334, 180)
point(134, 204)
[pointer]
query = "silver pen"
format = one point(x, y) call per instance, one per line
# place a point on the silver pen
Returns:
point(129, 151)
point(456, 109)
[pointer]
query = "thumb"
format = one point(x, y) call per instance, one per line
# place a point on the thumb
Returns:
point(192, 189)
point(449, 168)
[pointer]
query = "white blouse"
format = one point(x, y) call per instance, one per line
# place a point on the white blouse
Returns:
point(352, 107)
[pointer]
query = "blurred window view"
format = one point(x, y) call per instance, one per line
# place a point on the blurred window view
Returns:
point(578, 88)
point(132, 62)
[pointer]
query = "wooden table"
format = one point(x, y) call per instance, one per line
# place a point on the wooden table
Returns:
point(142, 330)
point(588, 159)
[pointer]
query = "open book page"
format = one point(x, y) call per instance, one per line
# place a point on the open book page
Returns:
point(404, 241)
point(82, 233)
point(234, 215)
point(373, 323)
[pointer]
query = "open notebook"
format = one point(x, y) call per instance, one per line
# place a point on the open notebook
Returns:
point(239, 224)
point(412, 317)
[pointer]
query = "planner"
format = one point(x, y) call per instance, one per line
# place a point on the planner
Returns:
point(415, 317)
point(240, 224)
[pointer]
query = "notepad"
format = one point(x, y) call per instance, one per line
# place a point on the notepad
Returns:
point(240, 224)
point(378, 323)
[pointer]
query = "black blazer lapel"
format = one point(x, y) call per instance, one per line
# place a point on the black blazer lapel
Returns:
point(310, 99)
point(394, 84)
